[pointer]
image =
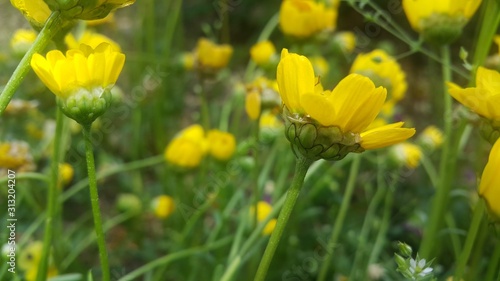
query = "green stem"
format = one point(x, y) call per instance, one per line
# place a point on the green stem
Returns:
point(27, 176)
point(493, 263)
point(94, 199)
point(339, 220)
point(256, 170)
point(440, 202)
point(205, 112)
point(469, 241)
point(172, 257)
point(51, 199)
point(51, 27)
point(300, 172)
point(489, 23)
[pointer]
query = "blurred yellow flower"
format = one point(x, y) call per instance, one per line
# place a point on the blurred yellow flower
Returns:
point(384, 71)
point(439, 21)
point(431, 137)
point(304, 18)
point(270, 120)
point(320, 65)
point(347, 110)
point(22, 40)
point(188, 148)
point(489, 187)
point(66, 173)
point(346, 40)
point(263, 210)
point(93, 39)
point(484, 99)
point(187, 61)
point(16, 155)
point(35, 11)
point(30, 258)
point(262, 52)
point(82, 79)
point(211, 55)
point(253, 105)
point(406, 154)
point(221, 144)
point(163, 206)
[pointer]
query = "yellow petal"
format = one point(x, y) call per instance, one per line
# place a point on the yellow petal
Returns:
point(473, 98)
point(252, 105)
point(319, 107)
point(385, 136)
point(489, 188)
point(488, 80)
point(43, 69)
point(295, 77)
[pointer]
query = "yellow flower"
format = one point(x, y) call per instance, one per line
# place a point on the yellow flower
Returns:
point(163, 206)
point(384, 71)
point(320, 65)
point(66, 173)
point(187, 61)
point(188, 148)
point(340, 116)
point(270, 120)
point(489, 187)
point(90, 38)
point(16, 156)
point(262, 52)
point(407, 154)
point(439, 21)
point(30, 259)
point(82, 79)
point(304, 18)
point(346, 40)
point(35, 11)
point(484, 99)
point(263, 210)
point(253, 104)
point(211, 55)
point(222, 144)
point(431, 137)
point(22, 40)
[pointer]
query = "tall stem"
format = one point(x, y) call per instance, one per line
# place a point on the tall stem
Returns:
point(300, 172)
point(51, 27)
point(469, 241)
point(440, 202)
point(339, 220)
point(94, 199)
point(51, 199)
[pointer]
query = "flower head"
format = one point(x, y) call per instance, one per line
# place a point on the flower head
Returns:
point(35, 11)
point(222, 144)
point(30, 259)
point(431, 138)
point(16, 155)
point(384, 71)
point(439, 21)
point(263, 210)
point(188, 148)
point(346, 41)
point(66, 173)
point(262, 52)
point(211, 56)
point(406, 154)
point(489, 187)
point(90, 38)
point(82, 79)
point(484, 99)
point(304, 18)
point(163, 206)
point(22, 40)
point(262, 94)
point(330, 124)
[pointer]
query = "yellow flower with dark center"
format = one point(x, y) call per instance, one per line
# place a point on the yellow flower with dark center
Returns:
point(188, 148)
point(439, 21)
point(262, 52)
point(406, 154)
point(163, 206)
point(22, 40)
point(35, 11)
point(263, 210)
point(211, 55)
point(489, 187)
point(484, 99)
point(384, 71)
point(304, 18)
point(330, 124)
point(90, 38)
point(221, 144)
point(30, 259)
point(82, 79)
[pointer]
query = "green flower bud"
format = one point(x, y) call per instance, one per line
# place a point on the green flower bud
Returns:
point(442, 29)
point(86, 9)
point(85, 106)
point(405, 249)
point(314, 141)
point(129, 203)
point(489, 129)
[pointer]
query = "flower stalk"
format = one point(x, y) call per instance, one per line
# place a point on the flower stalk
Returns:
point(51, 27)
point(300, 172)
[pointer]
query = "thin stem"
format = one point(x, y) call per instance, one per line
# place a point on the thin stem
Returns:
point(94, 199)
point(300, 172)
point(440, 202)
point(51, 198)
point(256, 170)
point(339, 220)
point(469, 241)
point(493, 263)
point(51, 27)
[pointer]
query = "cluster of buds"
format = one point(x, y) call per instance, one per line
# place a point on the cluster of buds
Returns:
point(413, 269)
